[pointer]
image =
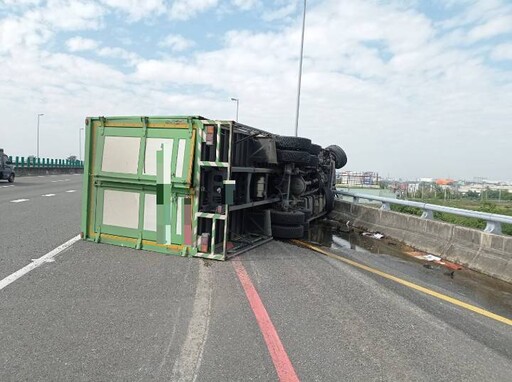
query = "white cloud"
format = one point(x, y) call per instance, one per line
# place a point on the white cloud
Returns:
point(186, 9)
point(137, 9)
point(502, 52)
point(401, 93)
point(245, 5)
point(69, 14)
point(495, 27)
point(176, 42)
point(119, 53)
point(80, 44)
point(282, 12)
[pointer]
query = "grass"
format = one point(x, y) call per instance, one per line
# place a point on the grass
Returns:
point(502, 208)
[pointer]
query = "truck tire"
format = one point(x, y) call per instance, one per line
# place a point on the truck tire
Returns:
point(307, 213)
point(11, 178)
point(339, 155)
point(292, 143)
point(315, 149)
point(329, 199)
point(290, 156)
point(288, 232)
point(287, 217)
point(313, 161)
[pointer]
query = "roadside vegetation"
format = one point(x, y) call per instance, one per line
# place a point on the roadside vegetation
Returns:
point(491, 201)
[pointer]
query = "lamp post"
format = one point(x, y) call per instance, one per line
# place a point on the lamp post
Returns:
point(300, 70)
point(38, 117)
point(80, 142)
point(237, 106)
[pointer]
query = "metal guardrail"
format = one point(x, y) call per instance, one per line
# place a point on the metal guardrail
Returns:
point(22, 162)
point(493, 221)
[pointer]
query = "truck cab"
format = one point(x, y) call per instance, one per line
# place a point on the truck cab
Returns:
point(6, 168)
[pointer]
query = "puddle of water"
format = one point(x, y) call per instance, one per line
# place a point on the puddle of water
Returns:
point(489, 292)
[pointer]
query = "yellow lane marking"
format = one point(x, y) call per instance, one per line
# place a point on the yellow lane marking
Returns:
point(409, 284)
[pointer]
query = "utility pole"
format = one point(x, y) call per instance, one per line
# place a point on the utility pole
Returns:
point(300, 70)
point(237, 106)
point(38, 117)
point(80, 142)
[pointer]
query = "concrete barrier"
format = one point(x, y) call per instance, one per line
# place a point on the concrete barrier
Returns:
point(46, 171)
point(484, 252)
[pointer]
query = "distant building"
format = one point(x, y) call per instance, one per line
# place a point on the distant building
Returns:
point(358, 179)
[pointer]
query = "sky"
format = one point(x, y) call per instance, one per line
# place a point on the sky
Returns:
point(408, 88)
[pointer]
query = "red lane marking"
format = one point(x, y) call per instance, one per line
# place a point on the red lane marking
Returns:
point(284, 367)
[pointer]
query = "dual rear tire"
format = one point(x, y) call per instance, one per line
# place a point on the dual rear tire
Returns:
point(288, 224)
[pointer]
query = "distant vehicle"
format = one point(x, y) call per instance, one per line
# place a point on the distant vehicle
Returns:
point(6, 168)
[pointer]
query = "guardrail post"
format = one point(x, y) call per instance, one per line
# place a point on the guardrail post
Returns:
point(17, 161)
point(427, 214)
point(385, 206)
point(493, 227)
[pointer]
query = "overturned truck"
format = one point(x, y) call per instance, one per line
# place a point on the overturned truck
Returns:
point(191, 186)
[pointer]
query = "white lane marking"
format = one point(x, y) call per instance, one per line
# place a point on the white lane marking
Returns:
point(45, 261)
point(7, 186)
point(19, 200)
point(37, 262)
point(71, 191)
point(48, 195)
point(60, 180)
point(189, 360)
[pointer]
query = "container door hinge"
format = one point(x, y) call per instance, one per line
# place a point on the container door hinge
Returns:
point(139, 242)
point(144, 121)
point(102, 126)
point(98, 235)
point(190, 127)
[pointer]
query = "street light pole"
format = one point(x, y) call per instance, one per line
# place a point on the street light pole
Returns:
point(300, 70)
point(237, 106)
point(38, 117)
point(80, 142)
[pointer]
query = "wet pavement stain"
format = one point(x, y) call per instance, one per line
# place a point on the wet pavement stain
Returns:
point(488, 292)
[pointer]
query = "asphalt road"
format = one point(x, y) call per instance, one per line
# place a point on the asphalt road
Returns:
point(102, 312)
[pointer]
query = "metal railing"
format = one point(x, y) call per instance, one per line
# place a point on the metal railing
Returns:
point(493, 221)
point(30, 162)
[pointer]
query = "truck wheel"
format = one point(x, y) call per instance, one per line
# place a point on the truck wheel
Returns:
point(292, 143)
point(287, 217)
point(339, 154)
point(313, 161)
point(287, 232)
point(290, 156)
point(307, 213)
point(11, 178)
point(315, 149)
point(329, 199)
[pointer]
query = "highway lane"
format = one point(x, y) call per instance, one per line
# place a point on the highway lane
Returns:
point(101, 312)
point(37, 224)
